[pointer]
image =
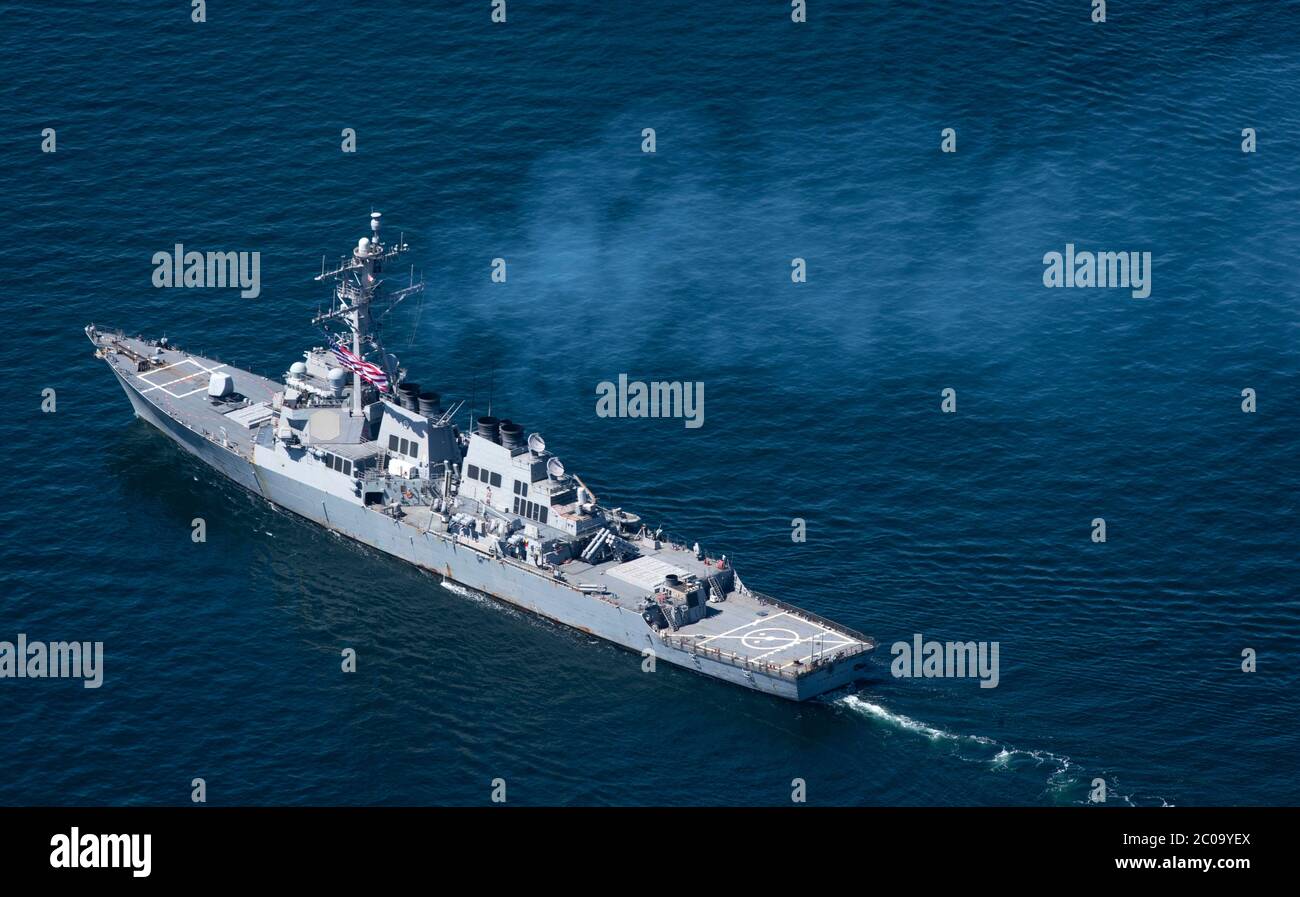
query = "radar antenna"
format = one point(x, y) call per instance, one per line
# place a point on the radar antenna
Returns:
point(358, 288)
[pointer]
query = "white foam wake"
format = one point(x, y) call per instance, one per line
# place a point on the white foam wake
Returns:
point(974, 748)
point(1064, 781)
point(457, 588)
point(906, 722)
point(481, 599)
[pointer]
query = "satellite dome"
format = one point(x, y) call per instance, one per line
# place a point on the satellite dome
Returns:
point(337, 376)
point(363, 245)
point(298, 369)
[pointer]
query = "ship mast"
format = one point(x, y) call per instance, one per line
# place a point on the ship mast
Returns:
point(357, 289)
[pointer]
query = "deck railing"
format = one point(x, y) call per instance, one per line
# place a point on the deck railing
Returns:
point(688, 644)
point(812, 617)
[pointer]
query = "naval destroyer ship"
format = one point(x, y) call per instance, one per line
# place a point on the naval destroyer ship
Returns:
point(347, 441)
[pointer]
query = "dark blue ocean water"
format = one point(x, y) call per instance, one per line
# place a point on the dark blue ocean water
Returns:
point(1118, 661)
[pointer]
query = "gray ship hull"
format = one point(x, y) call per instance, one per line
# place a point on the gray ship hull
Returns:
point(225, 462)
point(533, 590)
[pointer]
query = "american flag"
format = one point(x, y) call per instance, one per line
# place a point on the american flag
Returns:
point(353, 362)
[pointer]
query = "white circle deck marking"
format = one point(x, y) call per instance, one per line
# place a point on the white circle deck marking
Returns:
point(770, 639)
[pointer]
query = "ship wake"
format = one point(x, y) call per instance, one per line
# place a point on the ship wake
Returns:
point(1065, 781)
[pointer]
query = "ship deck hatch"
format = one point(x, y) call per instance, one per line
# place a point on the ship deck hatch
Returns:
point(646, 571)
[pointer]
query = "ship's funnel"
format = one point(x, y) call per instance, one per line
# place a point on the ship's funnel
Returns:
point(430, 404)
point(489, 428)
point(512, 435)
point(407, 395)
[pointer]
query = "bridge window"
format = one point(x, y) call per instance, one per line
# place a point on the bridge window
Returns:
point(392, 442)
point(496, 480)
point(531, 510)
point(473, 471)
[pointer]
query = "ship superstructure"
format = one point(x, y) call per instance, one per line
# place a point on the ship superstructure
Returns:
point(347, 441)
